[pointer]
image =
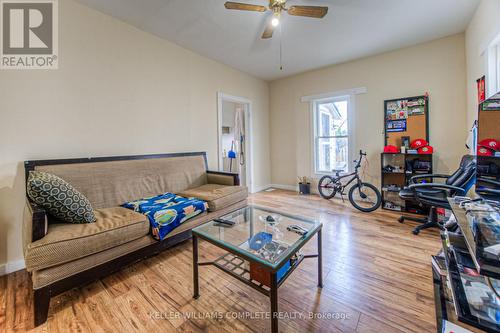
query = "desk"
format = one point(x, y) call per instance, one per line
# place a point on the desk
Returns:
point(457, 257)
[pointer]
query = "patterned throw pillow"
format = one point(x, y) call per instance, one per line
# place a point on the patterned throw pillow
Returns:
point(59, 198)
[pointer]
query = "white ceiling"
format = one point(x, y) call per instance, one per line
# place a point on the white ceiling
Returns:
point(352, 29)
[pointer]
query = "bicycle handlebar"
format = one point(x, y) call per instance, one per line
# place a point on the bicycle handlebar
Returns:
point(358, 162)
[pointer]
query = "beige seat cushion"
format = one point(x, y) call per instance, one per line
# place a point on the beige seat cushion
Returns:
point(217, 196)
point(65, 242)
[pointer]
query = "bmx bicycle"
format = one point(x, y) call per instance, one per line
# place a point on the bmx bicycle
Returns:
point(363, 196)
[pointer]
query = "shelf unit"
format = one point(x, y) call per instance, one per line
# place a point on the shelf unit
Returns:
point(393, 181)
point(239, 268)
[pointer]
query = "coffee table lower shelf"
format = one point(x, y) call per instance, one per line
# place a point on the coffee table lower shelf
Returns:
point(236, 267)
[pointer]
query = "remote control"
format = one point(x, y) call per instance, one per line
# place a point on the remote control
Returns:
point(226, 222)
point(222, 225)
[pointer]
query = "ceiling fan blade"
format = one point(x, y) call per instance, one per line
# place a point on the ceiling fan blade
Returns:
point(268, 32)
point(244, 6)
point(308, 11)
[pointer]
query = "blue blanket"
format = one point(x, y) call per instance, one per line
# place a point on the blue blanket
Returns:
point(167, 211)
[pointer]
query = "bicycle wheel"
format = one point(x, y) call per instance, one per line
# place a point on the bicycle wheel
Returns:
point(365, 197)
point(326, 187)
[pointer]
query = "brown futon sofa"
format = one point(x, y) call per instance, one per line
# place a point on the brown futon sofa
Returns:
point(60, 256)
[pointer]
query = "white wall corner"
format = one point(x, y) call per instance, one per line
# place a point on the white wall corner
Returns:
point(11, 267)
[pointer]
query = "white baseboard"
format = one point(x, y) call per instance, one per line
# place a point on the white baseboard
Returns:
point(260, 188)
point(276, 186)
point(12, 266)
point(285, 187)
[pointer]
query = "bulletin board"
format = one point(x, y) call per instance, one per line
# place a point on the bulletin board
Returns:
point(406, 117)
point(489, 120)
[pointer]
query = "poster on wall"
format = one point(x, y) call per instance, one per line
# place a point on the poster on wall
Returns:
point(402, 114)
point(419, 110)
point(481, 89)
point(393, 106)
point(396, 125)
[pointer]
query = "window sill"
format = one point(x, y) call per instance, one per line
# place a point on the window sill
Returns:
point(318, 175)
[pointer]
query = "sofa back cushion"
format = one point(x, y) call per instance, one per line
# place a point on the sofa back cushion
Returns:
point(111, 183)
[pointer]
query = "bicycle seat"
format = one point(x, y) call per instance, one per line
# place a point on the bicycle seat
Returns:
point(337, 172)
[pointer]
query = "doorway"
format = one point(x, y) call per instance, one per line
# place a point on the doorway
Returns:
point(234, 137)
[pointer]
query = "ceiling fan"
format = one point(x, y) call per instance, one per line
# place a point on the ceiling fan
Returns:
point(277, 7)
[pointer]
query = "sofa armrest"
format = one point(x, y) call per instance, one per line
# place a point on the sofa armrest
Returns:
point(35, 222)
point(223, 178)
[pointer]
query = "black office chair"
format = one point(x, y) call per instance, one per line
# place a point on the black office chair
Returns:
point(434, 195)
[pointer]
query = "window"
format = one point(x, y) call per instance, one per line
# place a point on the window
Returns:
point(497, 52)
point(493, 76)
point(331, 134)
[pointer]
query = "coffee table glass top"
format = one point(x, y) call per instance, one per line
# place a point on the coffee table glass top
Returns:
point(256, 236)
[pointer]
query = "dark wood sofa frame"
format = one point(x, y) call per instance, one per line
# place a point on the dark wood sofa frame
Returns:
point(42, 296)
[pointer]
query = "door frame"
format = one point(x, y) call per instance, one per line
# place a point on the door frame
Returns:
point(221, 97)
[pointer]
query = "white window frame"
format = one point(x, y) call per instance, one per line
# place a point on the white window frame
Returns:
point(315, 128)
point(493, 67)
point(351, 122)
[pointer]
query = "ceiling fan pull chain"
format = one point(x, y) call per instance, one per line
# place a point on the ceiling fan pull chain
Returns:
point(281, 49)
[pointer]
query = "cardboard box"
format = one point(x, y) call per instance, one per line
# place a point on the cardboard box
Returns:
point(258, 273)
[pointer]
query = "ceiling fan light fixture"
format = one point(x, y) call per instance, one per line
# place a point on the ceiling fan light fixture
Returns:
point(277, 7)
point(275, 21)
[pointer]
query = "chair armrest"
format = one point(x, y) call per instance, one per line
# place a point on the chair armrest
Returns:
point(35, 221)
point(437, 186)
point(223, 178)
point(488, 181)
point(430, 175)
point(485, 190)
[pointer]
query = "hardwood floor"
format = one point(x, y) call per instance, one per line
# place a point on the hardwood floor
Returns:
point(377, 277)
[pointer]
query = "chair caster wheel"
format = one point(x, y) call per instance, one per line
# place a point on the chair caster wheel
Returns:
point(401, 219)
point(415, 231)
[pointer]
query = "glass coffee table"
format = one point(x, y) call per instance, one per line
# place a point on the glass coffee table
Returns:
point(262, 249)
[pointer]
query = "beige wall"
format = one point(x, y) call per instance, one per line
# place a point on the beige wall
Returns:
point(117, 91)
point(483, 28)
point(437, 67)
